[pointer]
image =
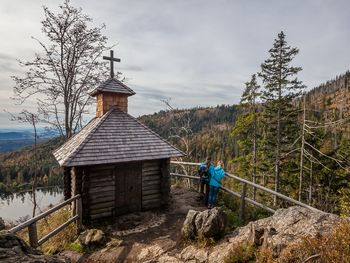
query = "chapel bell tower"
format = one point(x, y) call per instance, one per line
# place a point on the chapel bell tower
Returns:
point(111, 93)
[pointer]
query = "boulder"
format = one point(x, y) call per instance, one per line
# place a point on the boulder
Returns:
point(14, 249)
point(92, 238)
point(210, 223)
point(2, 224)
point(188, 230)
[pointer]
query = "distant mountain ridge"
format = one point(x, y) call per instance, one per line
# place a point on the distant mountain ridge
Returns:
point(19, 138)
point(14, 135)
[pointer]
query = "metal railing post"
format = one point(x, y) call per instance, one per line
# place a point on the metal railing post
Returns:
point(79, 212)
point(242, 203)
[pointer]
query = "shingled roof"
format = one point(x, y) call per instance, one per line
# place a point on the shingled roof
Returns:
point(113, 85)
point(113, 138)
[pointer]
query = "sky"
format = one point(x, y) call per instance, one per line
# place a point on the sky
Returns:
point(196, 52)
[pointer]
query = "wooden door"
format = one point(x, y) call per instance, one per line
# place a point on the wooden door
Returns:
point(127, 188)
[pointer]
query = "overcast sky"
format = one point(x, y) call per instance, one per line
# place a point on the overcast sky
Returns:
point(197, 52)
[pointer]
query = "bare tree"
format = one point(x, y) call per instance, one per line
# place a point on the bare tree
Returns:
point(181, 132)
point(61, 77)
point(306, 149)
point(181, 129)
point(31, 118)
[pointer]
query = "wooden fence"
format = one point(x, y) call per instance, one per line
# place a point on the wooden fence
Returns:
point(243, 195)
point(31, 224)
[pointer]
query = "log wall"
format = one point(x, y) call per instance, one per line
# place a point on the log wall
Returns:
point(67, 181)
point(151, 184)
point(165, 181)
point(101, 191)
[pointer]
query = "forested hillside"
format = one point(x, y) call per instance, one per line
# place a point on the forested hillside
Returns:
point(17, 168)
point(205, 131)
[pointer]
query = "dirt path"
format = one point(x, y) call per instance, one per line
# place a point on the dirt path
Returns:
point(141, 237)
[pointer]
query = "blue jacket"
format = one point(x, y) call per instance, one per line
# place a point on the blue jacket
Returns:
point(217, 173)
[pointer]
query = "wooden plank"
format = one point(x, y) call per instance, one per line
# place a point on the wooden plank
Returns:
point(101, 174)
point(151, 197)
point(101, 199)
point(151, 187)
point(150, 178)
point(57, 230)
point(152, 182)
point(42, 215)
point(242, 203)
point(101, 184)
point(258, 186)
point(79, 212)
point(151, 173)
point(101, 210)
point(33, 235)
point(101, 178)
point(151, 191)
point(102, 205)
point(101, 194)
point(97, 189)
point(150, 163)
point(150, 170)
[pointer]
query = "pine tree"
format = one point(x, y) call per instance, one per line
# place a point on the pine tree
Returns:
point(246, 126)
point(281, 86)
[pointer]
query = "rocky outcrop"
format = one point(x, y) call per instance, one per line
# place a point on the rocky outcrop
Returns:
point(13, 249)
point(92, 238)
point(210, 223)
point(285, 227)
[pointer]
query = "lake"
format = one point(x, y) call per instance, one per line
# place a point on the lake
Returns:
point(19, 206)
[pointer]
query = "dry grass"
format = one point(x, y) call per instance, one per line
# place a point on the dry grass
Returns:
point(241, 253)
point(45, 226)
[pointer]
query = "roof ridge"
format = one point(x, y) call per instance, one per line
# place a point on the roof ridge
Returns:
point(82, 144)
point(113, 85)
point(124, 85)
point(153, 132)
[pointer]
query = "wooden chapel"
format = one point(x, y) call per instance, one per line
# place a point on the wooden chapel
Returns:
point(116, 163)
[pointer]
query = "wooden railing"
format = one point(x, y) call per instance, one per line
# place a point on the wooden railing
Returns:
point(31, 224)
point(243, 195)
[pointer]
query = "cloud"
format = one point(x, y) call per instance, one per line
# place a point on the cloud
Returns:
point(198, 52)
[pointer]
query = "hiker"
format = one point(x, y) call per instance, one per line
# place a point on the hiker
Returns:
point(203, 172)
point(217, 173)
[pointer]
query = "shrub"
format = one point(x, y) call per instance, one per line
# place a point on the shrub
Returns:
point(241, 253)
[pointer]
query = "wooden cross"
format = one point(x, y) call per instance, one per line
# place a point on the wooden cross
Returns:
point(112, 59)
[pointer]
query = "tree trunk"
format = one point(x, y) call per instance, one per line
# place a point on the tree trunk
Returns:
point(254, 154)
point(302, 151)
point(35, 168)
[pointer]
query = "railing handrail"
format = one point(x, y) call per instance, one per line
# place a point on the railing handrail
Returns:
point(263, 188)
point(42, 215)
